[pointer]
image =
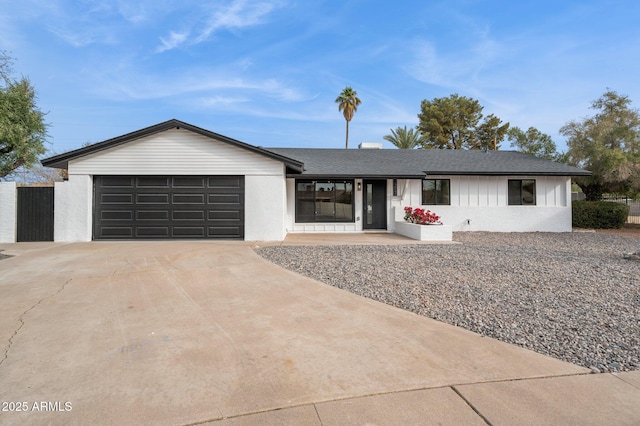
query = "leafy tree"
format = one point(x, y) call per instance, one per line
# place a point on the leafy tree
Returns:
point(607, 145)
point(348, 102)
point(533, 142)
point(37, 174)
point(22, 127)
point(490, 133)
point(455, 122)
point(404, 138)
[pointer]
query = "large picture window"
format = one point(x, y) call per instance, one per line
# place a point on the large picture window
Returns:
point(324, 201)
point(436, 192)
point(522, 192)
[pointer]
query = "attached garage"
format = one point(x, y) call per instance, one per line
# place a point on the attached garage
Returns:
point(172, 180)
point(160, 207)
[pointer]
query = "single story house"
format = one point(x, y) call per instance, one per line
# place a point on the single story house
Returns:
point(176, 180)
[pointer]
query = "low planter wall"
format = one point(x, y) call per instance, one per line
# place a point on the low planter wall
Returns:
point(424, 232)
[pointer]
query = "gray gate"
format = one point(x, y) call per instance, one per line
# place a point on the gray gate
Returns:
point(35, 214)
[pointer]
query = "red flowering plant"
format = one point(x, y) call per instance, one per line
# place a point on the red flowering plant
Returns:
point(421, 217)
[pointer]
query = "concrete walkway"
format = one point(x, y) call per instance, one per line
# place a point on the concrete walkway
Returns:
point(210, 333)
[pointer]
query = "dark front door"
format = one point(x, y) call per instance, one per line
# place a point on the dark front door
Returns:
point(375, 204)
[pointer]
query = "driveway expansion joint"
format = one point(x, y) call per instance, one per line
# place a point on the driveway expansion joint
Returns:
point(470, 405)
point(21, 320)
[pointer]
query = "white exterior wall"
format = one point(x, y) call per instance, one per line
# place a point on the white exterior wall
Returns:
point(73, 209)
point(482, 200)
point(174, 152)
point(264, 208)
point(8, 211)
point(480, 203)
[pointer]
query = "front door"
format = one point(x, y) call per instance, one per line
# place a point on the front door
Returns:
point(375, 204)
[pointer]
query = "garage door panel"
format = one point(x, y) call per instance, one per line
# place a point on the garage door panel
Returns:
point(223, 231)
point(188, 215)
point(224, 215)
point(189, 182)
point(116, 199)
point(189, 231)
point(189, 199)
point(226, 181)
point(116, 215)
point(224, 199)
point(152, 231)
point(116, 232)
point(153, 181)
point(152, 215)
point(119, 182)
point(148, 207)
point(152, 199)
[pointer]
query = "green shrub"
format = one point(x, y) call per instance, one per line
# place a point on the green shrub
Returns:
point(599, 214)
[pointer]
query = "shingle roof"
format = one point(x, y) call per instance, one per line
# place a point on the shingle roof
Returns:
point(362, 163)
point(416, 163)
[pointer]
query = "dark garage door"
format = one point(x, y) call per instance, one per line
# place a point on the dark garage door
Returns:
point(138, 207)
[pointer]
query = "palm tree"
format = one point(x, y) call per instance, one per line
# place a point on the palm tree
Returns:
point(348, 102)
point(403, 138)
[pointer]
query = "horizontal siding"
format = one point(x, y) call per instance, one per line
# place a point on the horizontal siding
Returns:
point(176, 152)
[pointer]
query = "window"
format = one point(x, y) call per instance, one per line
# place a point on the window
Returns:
point(324, 201)
point(436, 191)
point(522, 192)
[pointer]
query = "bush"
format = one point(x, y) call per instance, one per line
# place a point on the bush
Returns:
point(599, 214)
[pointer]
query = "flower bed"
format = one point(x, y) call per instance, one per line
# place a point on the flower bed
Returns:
point(424, 232)
point(423, 226)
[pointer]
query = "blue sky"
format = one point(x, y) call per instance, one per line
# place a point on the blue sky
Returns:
point(267, 72)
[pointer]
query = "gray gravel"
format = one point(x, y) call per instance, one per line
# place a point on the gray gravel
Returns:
point(571, 296)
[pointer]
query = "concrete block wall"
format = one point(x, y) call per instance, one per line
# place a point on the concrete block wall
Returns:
point(73, 209)
point(8, 205)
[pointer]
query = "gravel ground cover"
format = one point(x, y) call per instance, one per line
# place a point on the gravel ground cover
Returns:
point(571, 296)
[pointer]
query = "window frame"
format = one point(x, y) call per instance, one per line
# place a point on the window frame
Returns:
point(435, 198)
point(520, 196)
point(314, 218)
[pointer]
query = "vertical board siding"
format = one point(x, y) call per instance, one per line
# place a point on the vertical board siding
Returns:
point(176, 152)
point(35, 214)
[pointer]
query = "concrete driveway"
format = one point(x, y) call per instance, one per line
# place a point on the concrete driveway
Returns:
point(184, 332)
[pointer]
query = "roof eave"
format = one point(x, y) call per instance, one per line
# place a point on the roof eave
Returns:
point(513, 173)
point(352, 176)
point(426, 174)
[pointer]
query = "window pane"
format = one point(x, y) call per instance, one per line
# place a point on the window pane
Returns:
point(305, 202)
point(429, 191)
point(325, 201)
point(529, 191)
point(344, 204)
point(442, 192)
point(515, 196)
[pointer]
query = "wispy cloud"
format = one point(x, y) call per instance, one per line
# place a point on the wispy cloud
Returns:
point(216, 84)
point(172, 41)
point(222, 101)
point(239, 14)
point(234, 16)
